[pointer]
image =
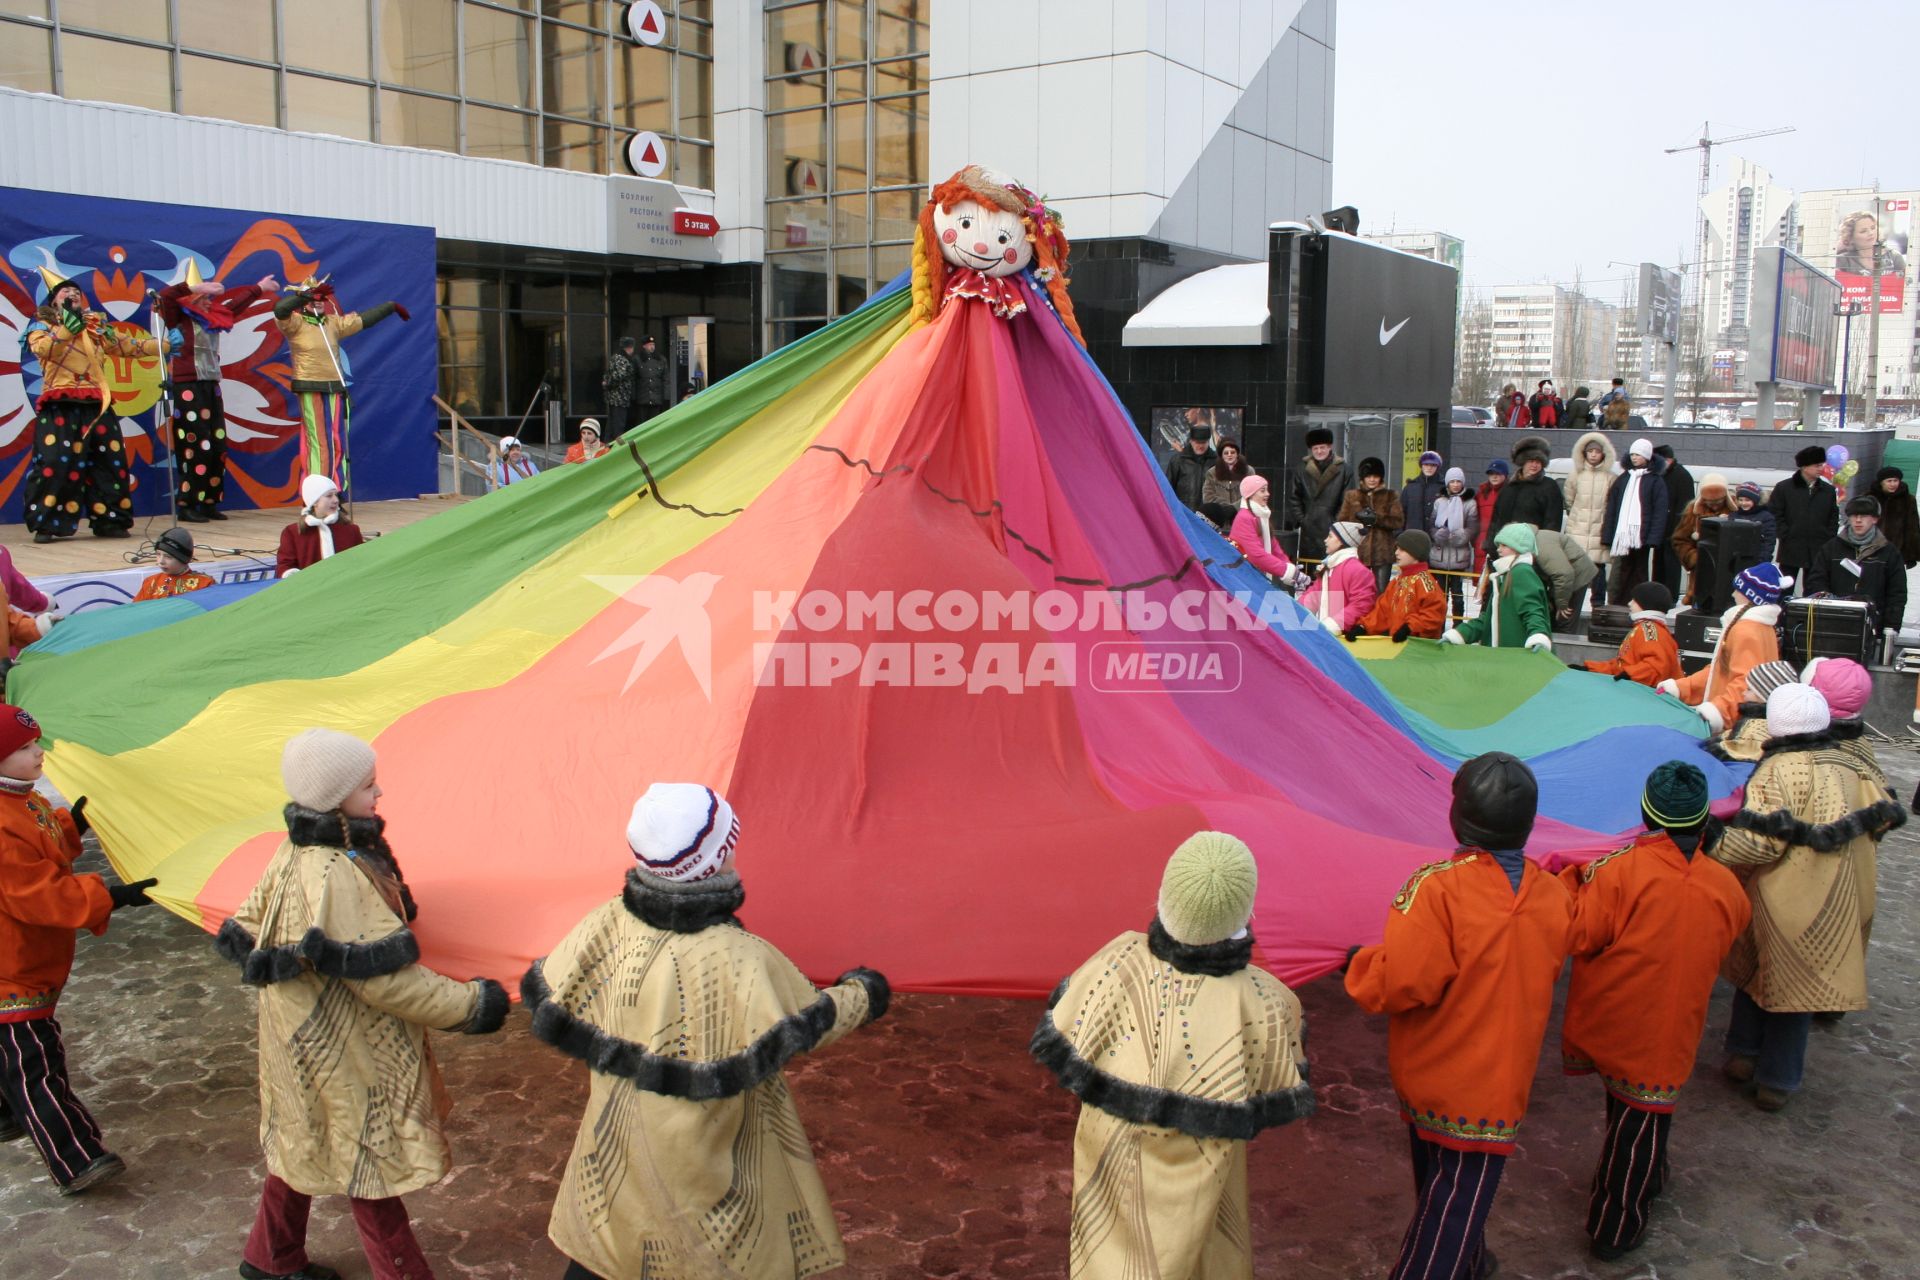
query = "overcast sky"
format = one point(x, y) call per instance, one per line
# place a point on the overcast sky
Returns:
point(1537, 132)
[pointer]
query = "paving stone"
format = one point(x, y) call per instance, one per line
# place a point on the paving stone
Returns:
point(949, 1153)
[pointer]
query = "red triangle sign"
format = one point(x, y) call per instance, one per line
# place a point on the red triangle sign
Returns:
point(650, 155)
point(648, 23)
point(806, 60)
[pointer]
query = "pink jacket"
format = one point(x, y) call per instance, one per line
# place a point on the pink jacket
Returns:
point(1247, 541)
point(1349, 586)
point(21, 594)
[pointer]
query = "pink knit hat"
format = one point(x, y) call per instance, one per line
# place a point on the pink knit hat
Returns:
point(1844, 683)
point(1252, 485)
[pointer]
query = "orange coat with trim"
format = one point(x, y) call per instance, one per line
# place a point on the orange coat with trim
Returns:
point(1647, 656)
point(1466, 975)
point(164, 586)
point(41, 903)
point(1743, 646)
point(1414, 599)
point(1650, 928)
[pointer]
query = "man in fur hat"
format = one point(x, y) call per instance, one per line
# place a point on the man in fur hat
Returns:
point(1320, 483)
point(1806, 511)
point(79, 467)
point(1139, 1034)
point(691, 1159)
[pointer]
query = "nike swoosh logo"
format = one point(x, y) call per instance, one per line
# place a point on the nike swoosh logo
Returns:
point(1387, 335)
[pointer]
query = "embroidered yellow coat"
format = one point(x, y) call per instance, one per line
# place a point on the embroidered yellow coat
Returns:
point(1801, 843)
point(350, 1097)
point(691, 1160)
point(75, 364)
point(1179, 1055)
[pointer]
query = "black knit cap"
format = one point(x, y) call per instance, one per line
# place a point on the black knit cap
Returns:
point(1889, 473)
point(1663, 451)
point(1676, 797)
point(1811, 456)
point(1495, 798)
point(1373, 467)
point(1864, 505)
point(177, 543)
point(1653, 597)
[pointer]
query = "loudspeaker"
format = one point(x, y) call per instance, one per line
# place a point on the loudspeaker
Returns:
point(1727, 548)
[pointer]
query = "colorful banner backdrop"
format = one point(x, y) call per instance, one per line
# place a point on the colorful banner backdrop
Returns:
point(119, 249)
point(919, 603)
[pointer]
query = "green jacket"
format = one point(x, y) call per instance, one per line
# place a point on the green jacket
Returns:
point(1518, 608)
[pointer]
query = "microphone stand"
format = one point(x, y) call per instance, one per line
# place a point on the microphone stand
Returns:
point(165, 401)
point(346, 418)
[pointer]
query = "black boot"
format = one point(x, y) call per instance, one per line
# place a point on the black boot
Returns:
point(215, 513)
point(312, 1271)
point(43, 537)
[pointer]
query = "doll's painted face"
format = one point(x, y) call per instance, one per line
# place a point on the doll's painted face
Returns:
point(990, 240)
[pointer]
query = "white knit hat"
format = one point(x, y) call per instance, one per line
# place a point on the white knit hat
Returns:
point(314, 488)
point(508, 442)
point(322, 767)
point(682, 831)
point(1642, 446)
point(1796, 708)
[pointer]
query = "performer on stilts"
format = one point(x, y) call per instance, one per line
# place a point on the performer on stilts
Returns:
point(79, 465)
point(310, 317)
point(196, 312)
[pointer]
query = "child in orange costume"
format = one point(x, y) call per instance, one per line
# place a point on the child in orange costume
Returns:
point(1466, 972)
point(1651, 924)
point(1414, 603)
point(174, 550)
point(1648, 655)
point(1747, 639)
point(41, 904)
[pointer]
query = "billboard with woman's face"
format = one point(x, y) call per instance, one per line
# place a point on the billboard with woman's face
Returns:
point(1853, 255)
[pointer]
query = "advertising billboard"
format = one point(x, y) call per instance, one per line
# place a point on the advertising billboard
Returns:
point(1853, 255)
point(1796, 325)
point(1387, 326)
point(1659, 303)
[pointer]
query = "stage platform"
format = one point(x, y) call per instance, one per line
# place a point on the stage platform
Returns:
point(85, 572)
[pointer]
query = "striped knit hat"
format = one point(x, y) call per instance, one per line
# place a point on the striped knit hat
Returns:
point(1676, 797)
point(1763, 679)
point(1350, 532)
point(682, 831)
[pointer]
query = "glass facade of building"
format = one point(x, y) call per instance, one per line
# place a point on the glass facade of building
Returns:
point(846, 153)
point(551, 82)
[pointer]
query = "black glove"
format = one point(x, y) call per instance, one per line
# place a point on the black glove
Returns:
point(1354, 632)
point(879, 990)
point(1618, 676)
point(1347, 961)
point(132, 895)
point(1576, 665)
point(1403, 634)
point(489, 1010)
point(79, 812)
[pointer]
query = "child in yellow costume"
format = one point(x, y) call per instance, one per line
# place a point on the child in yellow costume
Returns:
point(1179, 1051)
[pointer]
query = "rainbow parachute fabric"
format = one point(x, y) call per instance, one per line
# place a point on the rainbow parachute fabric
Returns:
point(687, 607)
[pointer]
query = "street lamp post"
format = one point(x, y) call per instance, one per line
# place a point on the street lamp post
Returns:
point(1848, 310)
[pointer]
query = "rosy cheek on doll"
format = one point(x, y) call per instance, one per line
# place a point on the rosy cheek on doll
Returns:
point(1011, 255)
point(949, 236)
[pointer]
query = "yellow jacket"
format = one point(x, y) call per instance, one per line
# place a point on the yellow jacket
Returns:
point(74, 364)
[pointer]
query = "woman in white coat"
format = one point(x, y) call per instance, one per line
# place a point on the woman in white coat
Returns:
point(1586, 496)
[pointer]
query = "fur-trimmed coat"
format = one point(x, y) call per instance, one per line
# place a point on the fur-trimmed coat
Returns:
point(1585, 493)
point(690, 1152)
point(1179, 1054)
point(350, 1097)
point(1805, 829)
point(1749, 636)
point(1376, 548)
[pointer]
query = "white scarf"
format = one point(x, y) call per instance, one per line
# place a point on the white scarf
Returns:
point(1626, 533)
point(325, 526)
point(1264, 514)
point(1327, 567)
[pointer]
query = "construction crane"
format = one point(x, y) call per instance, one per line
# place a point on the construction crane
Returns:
point(1696, 277)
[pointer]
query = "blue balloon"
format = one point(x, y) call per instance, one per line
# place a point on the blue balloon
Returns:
point(1837, 456)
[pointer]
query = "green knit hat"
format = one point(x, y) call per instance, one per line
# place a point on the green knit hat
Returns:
point(1676, 797)
point(1520, 537)
point(1206, 895)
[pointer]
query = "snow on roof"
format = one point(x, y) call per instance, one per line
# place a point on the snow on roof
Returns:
point(1221, 307)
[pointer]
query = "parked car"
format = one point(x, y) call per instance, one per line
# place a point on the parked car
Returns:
point(1471, 415)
